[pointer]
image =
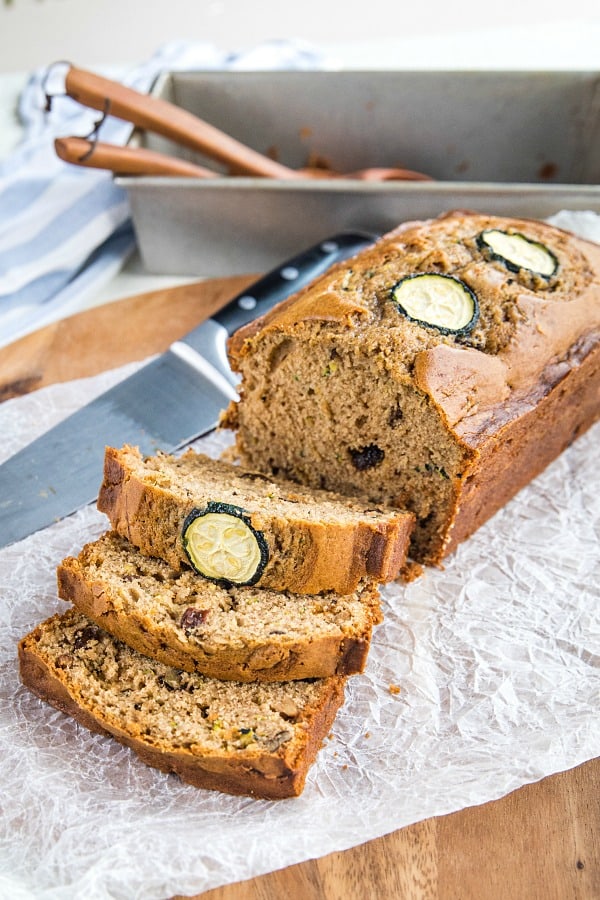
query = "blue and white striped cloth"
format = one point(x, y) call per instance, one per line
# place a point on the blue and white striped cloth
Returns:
point(65, 231)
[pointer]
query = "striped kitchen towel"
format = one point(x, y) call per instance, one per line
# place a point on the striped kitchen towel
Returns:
point(65, 231)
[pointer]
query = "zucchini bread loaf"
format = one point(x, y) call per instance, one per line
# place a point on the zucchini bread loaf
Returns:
point(241, 527)
point(225, 631)
point(237, 738)
point(438, 371)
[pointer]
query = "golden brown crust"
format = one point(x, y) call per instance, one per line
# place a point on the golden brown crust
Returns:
point(272, 775)
point(324, 306)
point(546, 329)
point(523, 447)
point(306, 556)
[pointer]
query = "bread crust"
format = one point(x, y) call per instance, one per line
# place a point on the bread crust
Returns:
point(305, 556)
point(269, 775)
point(522, 448)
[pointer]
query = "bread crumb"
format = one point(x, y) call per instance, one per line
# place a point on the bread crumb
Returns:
point(394, 688)
point(410, 572)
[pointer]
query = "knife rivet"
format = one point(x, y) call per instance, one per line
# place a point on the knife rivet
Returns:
point(289, 273)
point(247, 302)
point(329, 246)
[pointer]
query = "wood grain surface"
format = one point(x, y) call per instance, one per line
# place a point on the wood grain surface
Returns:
point(542, 841)
point(110, 335)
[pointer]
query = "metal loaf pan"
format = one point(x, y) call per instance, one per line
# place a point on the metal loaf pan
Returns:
point(511, 143)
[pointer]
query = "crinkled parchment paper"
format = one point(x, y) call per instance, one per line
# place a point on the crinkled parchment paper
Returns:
point(497, 659)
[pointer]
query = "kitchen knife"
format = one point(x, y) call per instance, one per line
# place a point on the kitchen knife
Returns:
point(165, 405)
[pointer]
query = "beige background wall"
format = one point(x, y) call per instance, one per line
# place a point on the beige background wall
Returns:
point(35, 32)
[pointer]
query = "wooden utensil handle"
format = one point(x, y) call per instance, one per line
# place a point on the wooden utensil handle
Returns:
point(162, 117)
point(125, 160)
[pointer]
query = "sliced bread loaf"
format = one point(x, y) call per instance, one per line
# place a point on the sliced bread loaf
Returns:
point(228, 632)
point(241, 527)
point(238, 738)
point(438, 371)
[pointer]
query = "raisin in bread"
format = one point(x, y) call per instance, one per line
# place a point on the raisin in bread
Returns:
point(439, 370)
point(224, 631)
point(238, 738)
point(241, 527)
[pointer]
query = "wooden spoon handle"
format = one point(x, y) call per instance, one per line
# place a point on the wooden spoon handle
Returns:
point(371, 174)
point(125, 160)
point(162, 117)
point(387, 174)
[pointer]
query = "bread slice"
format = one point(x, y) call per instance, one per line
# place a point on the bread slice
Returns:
point(238, 738)
point(304, 540)
point(227, 632)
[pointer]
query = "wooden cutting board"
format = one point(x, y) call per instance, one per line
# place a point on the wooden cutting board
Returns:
point(541, 841)
point(111, 335)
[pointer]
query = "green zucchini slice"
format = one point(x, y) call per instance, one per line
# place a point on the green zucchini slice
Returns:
point(518, 252)
point(438, 301)
point(222, 545)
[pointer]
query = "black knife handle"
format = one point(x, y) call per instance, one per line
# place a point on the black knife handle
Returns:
point(289, 277)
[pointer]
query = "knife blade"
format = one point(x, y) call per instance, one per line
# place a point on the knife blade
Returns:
point(169, 402)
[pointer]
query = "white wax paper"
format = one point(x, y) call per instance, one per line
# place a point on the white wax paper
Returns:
point(497, 659)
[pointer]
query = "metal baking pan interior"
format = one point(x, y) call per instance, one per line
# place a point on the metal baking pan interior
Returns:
point(510, 143)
